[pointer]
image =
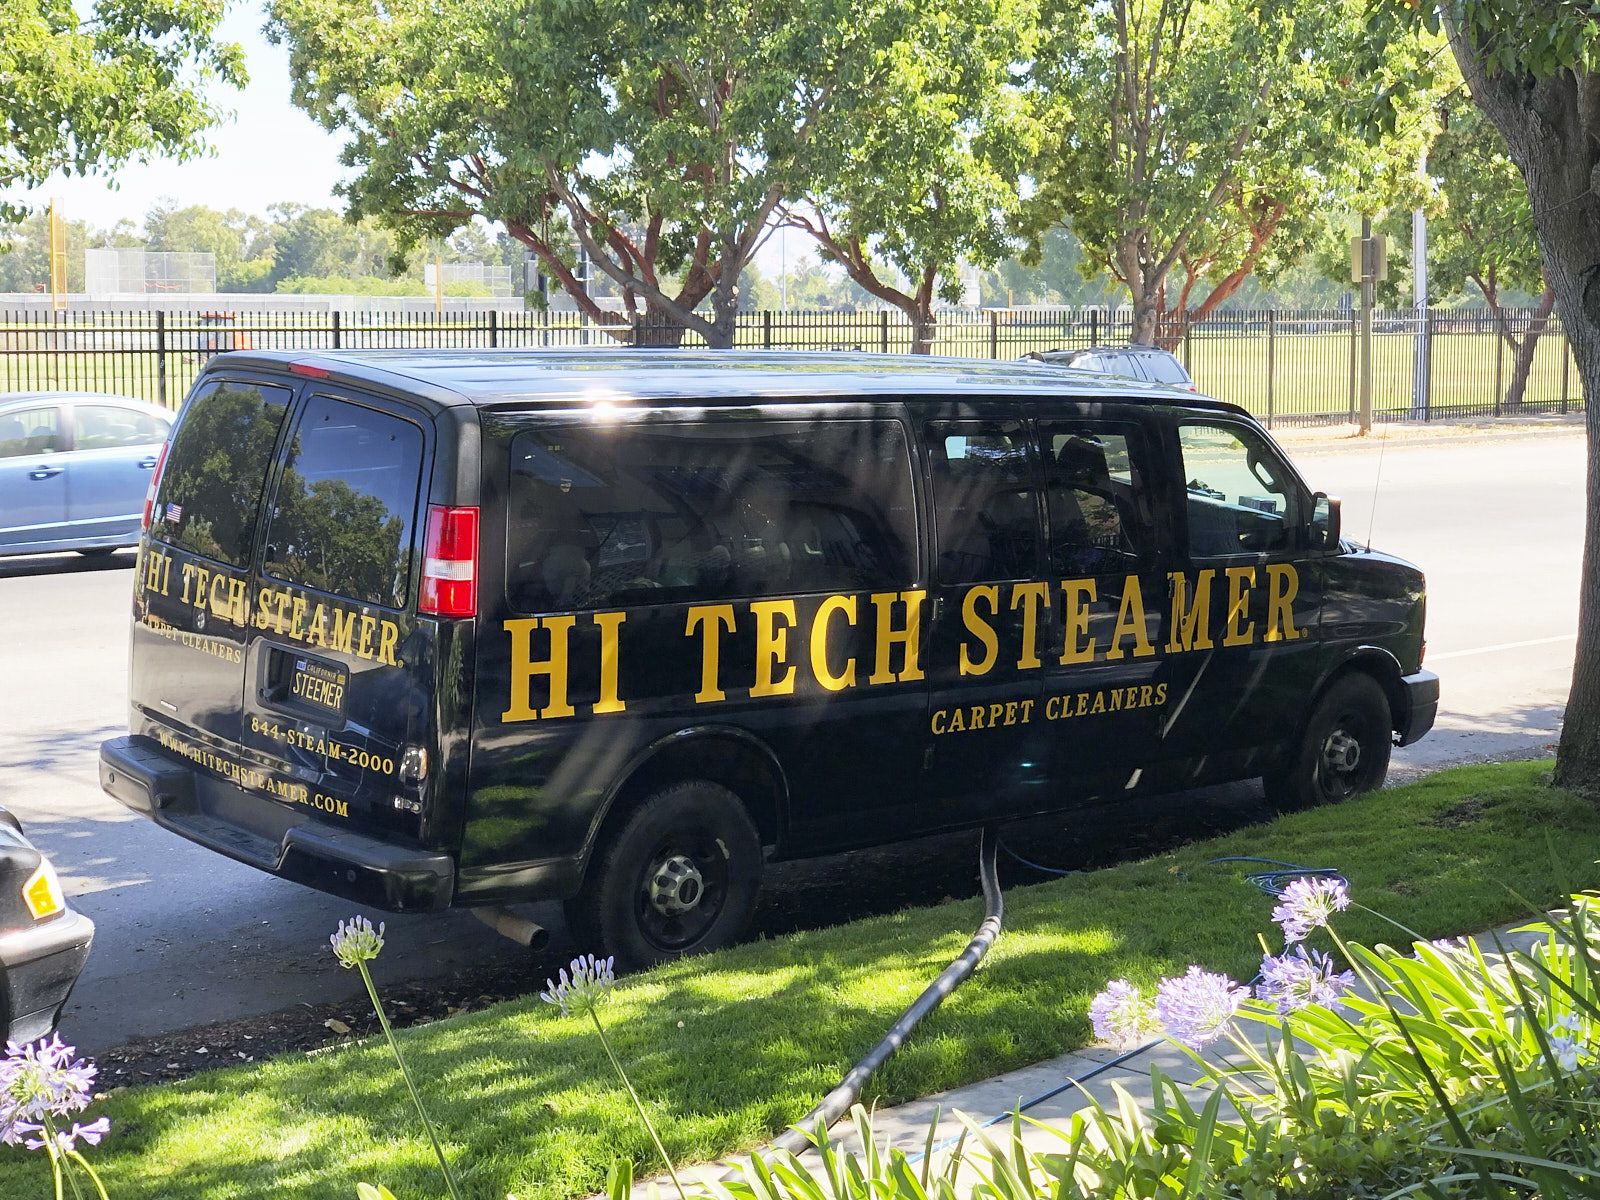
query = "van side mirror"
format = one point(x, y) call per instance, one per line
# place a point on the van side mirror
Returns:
point(1325, 523)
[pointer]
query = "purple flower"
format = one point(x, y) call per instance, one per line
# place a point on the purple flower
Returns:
point(1307, 904)
point(1121, 1015)
point(38, 1080)
point(356, 941)
point(584, 985)
point(1299, 977)
point(1198, 1007)
point(67, 1140)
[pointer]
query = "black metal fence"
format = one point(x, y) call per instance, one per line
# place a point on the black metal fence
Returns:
point(1300, 366)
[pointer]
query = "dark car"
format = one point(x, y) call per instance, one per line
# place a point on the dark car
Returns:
point(469, 628)
point(43, 942)
point(1148, 363)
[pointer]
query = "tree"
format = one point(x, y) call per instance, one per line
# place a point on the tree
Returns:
point(931, 179)
point(81, 95)
point(1201, 137)
point(657, 136)
point(312, 242)
point(1534, 72)
point(241, 243)
point(1050, 271)
point(1482, 234)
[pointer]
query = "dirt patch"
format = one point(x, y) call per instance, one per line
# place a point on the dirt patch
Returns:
point(1463, 812)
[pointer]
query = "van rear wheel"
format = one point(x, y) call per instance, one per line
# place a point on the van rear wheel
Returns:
point(1344, 750)
point(679, 877)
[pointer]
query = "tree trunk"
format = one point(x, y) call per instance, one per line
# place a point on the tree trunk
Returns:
point(1146, 318)
point(656, 328)
point(924, 325)
point(1522, 364)
point(1552, 128)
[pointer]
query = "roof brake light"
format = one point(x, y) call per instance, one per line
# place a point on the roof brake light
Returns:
point(450, 563)
point(309, 370)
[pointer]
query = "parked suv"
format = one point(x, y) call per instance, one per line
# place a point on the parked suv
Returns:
point(1148, 363)
point(468, 628)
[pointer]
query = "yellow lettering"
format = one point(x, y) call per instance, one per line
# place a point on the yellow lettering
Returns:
point(1031, 595)
point(1191, 624)
point(939, 718)
point(1052, 708)
point(1099, 703)
point(344, 630)
point(1027, 710)
point(188, 578)
point(980, 629)
point(610, 625)
point(369, 626)
point(388, 640)
point(297, 621)
point(263, 607)
point(846, 606)
point(1078, 594)
point(909, 638)
point(1131, 619)
point(1161, 693)
point(710, 619)
point(524, 668)
point(958, 722)
point(1238, 631)
point(1283, 585)
point(317, 627)
point(774, 619)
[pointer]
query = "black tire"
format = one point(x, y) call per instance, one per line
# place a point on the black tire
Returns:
point(678, 877)
point(1343, 751)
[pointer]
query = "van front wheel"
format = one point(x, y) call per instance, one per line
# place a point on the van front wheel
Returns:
point(1344, 750)
point(679, 877)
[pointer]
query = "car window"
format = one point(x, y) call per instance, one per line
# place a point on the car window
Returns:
point(1131, 365)
point(985, 516)
point(210, 493)
point(688, 511)
point(1241, 498)
point(31, 431)
point(1096, 480)
point(343, 514)
point(1163, 368)
point(103, 427)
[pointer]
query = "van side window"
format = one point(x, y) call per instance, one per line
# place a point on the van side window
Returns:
point(216, 470)
point(1095, 479)
point(1241, 499)
point(653, 514)
point(342, 517)
point(984, 509)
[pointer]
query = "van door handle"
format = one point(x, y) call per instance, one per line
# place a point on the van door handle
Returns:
point(148, 463)
point(45, 472)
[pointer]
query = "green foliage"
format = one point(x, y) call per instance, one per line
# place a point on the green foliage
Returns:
point(82, 95)
point(1204, 137)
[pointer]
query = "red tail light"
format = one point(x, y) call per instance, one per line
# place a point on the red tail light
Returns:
point(155, 482)
point(450, 563)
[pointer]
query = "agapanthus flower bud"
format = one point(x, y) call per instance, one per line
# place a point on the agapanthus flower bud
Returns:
point(356, 941)
point(583, 985)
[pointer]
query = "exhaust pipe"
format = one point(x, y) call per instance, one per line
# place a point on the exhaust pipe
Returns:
point(508, 924)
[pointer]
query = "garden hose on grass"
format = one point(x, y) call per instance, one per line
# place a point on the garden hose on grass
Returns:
point(838, 1102)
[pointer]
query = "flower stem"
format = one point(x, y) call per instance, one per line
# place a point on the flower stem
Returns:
point(94, 1176)
point(54, 1145)
point(637, 1103)
point(405, 1072)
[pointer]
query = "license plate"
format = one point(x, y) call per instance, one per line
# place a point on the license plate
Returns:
point(319, 684)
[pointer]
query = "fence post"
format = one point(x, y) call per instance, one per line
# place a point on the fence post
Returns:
point(994, 333)
point(1094, 327)
point(766, 329)
point(161, 357)
point(1427, 379)
point(338, 336)
point(1272, 342)
point(883, 330)
point(494, 328)
point(1566, 364)
point(1499, 371)
point(1353, 322)
point(1188, 343)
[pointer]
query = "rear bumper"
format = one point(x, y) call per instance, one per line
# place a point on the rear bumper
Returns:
point(213, 813)
point(1422, 706)
point(38, 968)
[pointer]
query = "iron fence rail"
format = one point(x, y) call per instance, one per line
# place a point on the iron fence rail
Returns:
point(1289, 366)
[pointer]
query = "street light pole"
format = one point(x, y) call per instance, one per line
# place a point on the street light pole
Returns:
point(1368, 270)
point(1421, 345)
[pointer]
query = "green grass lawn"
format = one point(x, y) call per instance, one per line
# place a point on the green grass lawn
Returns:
point(730, 1048)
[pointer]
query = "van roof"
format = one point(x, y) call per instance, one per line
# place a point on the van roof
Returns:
point(515, 378)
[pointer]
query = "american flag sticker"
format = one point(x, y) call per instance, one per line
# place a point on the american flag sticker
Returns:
point(174, 514)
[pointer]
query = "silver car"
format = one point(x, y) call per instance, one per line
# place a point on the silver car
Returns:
point(74, 469)
point(1135, 362)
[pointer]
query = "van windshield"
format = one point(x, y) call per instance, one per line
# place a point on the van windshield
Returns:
point(210, 493)
point(685, 512)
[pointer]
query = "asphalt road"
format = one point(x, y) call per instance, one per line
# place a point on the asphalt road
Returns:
point(187, 937)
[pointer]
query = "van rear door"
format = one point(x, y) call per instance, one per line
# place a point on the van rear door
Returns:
point(191, 610)
point(338, 670)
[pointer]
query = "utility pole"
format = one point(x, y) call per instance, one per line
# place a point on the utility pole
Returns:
point(58, 259)
point(1421, 343)
point(1369, 262)
point(438, 287)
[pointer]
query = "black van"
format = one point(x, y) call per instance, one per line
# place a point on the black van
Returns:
point(435, 628)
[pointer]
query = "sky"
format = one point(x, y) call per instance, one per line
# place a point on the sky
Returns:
point(266, 152)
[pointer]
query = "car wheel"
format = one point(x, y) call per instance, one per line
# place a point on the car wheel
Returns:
point(1344, 750)
point(678, 877)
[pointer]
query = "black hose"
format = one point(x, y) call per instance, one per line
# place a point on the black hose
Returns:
point(839, 1101)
